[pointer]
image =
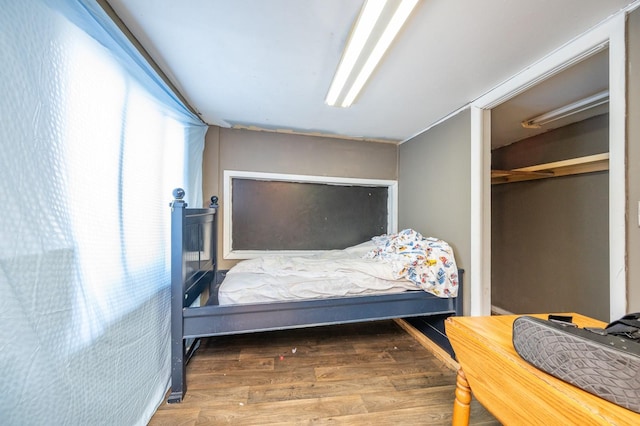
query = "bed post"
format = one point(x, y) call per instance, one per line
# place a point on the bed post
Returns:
point(214, 244)
point(458, 301)
point(178, 382)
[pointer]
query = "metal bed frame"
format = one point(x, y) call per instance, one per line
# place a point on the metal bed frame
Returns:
point(194, 272)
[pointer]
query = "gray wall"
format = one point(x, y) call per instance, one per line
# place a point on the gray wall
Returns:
point(580, 139)
point(633, 161)
point(246, 150)
point(550, 237)
point(434, 188)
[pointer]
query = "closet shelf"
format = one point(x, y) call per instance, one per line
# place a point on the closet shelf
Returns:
point(574, 166)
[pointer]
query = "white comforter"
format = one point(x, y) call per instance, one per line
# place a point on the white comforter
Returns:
point(387, 264)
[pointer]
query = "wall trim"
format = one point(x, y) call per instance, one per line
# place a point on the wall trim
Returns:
point(480, 271)
point(442, 120)
point(229, 253)
point(618, 297)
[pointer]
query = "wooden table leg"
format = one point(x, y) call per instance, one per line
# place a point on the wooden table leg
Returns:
point(463, 399)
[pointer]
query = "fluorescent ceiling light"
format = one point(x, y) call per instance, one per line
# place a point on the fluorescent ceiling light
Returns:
point(585, 104)
point(377, 25)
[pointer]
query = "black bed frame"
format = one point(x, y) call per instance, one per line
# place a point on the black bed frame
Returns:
point(194, 271)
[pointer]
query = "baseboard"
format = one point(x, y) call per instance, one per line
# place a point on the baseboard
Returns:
point(496, 310)
point(431, 346)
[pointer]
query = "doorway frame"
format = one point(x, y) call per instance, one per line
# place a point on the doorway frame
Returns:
point(610, 34)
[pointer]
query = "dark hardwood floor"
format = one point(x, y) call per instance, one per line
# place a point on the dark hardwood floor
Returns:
point(357, 374)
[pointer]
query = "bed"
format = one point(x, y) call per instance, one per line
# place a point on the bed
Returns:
point(195, 277)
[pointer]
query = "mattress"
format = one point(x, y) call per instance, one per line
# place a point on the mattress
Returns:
point(386, 264)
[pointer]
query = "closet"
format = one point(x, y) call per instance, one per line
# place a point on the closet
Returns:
point(550, 201)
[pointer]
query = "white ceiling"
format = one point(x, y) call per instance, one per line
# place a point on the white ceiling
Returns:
point(268, 63)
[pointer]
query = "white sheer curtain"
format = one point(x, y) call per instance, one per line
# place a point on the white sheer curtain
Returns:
point(92, 144)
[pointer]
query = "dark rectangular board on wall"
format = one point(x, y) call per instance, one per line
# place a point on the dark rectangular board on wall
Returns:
point(285, 215)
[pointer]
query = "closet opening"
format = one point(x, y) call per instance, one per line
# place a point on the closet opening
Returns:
point(550, 242)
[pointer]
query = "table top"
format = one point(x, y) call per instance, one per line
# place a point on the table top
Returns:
point(515, 391)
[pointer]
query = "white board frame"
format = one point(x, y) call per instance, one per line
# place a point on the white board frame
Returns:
point(229, 175)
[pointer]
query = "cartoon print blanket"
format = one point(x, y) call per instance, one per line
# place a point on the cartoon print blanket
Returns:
point(427, 262)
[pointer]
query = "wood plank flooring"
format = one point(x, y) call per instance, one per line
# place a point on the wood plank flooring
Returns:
point(356, 374)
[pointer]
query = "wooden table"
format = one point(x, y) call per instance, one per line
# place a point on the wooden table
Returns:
point(514, 391)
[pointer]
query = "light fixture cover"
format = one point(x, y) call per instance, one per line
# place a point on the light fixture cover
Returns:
point(375, 29)
point(585, 104)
